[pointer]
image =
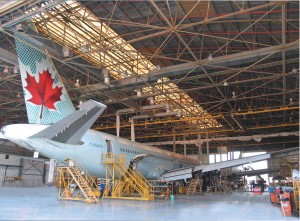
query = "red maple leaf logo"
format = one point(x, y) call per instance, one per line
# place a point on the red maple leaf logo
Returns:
point(42, 92)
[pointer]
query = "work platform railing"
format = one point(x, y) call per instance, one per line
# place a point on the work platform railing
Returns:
point(125, 182)
point(75, 183)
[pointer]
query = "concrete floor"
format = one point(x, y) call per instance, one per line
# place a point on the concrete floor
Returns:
point(42, 204)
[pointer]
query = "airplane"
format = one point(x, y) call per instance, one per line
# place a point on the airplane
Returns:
point(58, 131)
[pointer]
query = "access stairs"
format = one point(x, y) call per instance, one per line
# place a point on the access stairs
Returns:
point(222, 184)
point(126, 182)
point(75, 183)
point(192, 188)
point(296, 188)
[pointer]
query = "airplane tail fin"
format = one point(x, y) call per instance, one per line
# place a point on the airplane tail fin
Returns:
point(46, 98)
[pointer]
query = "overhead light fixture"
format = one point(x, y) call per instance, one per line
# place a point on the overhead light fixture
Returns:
point(85, 47)
point(6, 71)
point(291, 100)
point(105, 75)
point(66, 53)
point(294, 70)
point(77, 84)
point(233, 94)
point(20, 27)
point(151, 100)
point(239, 109)
point(16, 70)
point(210, 57)
point(225, 83)
point(139, 92)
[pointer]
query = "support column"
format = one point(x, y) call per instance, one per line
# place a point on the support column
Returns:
point(132, 130)
point(184, 146)
point(174, 141)
point(52, 166)
point(207, 148)
point(199, 148)
point(118, 125)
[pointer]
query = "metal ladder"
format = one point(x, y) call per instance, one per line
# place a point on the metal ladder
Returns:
point(192, 189)
point(127, 178)
point(76, 184)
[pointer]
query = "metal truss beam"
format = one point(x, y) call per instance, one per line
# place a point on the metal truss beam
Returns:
point(227, 60)
point(239, 138)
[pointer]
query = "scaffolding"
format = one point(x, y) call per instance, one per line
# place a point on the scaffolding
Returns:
point(192, 188)
point(123, 182)
point(222, 184)
point(75, 183)
point(296, 188)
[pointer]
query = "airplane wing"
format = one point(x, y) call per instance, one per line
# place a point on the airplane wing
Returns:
point(71, 129)
point(184, 173)
point(187, 172)
point(231, 163)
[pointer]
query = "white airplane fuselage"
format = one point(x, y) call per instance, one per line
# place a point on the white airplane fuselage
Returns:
point(89, 154)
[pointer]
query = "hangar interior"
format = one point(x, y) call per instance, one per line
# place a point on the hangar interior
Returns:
point(215, 80)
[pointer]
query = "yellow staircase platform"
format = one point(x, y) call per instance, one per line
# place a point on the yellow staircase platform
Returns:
point(76, 184)
point(126, 183)
point(296, 188)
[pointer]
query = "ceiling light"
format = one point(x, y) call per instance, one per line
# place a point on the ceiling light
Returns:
point(225, 83)
point(85, 48)
point(16, 70)
point(139, 92)
point(77, 84)
point(66, 53)
point(294, 70)
point(105, 75)
point(151, 100)
point(291, 100)
point(233, 94)
point(210, 57)
point(239, 109)
point(6, 71)
point(20, 28)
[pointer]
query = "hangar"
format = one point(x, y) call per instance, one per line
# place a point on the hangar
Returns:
point(208, 88)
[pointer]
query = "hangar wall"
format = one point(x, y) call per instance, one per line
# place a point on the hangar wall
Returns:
point(18, 171)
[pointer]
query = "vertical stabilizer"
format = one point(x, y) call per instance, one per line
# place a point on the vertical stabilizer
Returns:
point(46, 98)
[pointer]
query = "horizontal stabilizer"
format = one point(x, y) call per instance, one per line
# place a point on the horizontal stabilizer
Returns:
point(71, 129)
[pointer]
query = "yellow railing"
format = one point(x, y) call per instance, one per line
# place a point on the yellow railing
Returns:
point(71, 177)
point(116, 165)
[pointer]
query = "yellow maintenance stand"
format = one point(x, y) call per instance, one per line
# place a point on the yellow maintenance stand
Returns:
point(123, 182)
point(75, 183)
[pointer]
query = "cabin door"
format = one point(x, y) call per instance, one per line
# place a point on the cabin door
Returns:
point(108, 146)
